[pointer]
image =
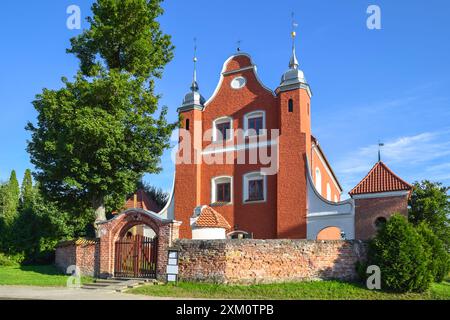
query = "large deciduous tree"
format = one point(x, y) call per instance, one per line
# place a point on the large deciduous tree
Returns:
point(99, 134)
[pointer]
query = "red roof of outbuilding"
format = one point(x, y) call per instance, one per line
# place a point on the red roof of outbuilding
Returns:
point(140, 201)
point(380, 179)
point(210, 218)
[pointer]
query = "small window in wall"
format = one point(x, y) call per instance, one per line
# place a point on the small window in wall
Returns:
point(254, 123)
point(221, 190)
point(254, 187)
point(318, 181)
point(380, 222)
point(222, 129)
point(328, 192)
point(187, 124)
point(291, 105)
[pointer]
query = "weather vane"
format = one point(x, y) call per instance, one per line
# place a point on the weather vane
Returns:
point(380, 144)
point(294, 26)
point(239, 45)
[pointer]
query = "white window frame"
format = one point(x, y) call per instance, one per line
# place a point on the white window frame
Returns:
point(318, 180)
point(218, 180)
point(328, 191)
point(256, 175)
point(255, 114)
point(220, 121)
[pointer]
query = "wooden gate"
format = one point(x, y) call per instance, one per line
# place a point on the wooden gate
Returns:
point(136, 257)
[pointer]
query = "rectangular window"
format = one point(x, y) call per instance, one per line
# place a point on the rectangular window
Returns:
point(223, 192)
point(223, 131)
point(255, 124)
point(256, 190)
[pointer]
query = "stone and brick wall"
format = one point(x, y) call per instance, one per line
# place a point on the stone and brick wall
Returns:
point(80, 253)
point(268, 261)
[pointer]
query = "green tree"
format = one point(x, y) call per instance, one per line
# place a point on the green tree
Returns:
point(27, 189)
point(159, 196)
point(440, 258)
point(97, 135)
point(430, 203)
point(399, 252)
point(9, 199)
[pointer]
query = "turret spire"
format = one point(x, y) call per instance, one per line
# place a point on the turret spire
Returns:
point(293, 63)
point(194, 86)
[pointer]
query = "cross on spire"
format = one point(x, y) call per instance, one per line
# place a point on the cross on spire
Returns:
point(194, 86)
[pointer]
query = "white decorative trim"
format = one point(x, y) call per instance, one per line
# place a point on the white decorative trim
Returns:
point(255, 175)
point(235, 84)
point(255, 114)
point(314, 147)
point(328, 192)
point(214, 182)
point(381, 195)
point(318, 179)
point(219, 121)
point(223, 74)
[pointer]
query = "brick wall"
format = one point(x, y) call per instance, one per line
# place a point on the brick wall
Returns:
point(268, 261)
point(368, 210)
point(82, 253)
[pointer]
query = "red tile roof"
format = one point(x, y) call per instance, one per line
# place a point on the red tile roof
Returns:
point(380, 179)
point(140, 201)
point(210, 218)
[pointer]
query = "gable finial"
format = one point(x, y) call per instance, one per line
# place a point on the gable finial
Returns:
point(293, 63)
point(380, 144)
point(194, 86)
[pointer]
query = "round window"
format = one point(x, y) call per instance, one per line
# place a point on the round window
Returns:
point(238, 82)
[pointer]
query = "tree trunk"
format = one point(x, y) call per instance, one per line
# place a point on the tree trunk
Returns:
point(100, 213)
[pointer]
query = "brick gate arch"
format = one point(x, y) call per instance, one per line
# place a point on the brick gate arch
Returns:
point(112, 230)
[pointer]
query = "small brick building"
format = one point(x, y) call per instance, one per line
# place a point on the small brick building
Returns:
point(379, 195)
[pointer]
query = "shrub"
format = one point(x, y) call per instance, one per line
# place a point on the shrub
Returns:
point(398, 250)
point(10, 260)
point(440, 259)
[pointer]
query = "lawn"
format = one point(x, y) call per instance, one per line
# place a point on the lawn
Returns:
point(317, 290)
point(43, 276)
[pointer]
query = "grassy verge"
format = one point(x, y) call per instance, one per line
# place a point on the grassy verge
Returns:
point(318, 290)
point(43, 276)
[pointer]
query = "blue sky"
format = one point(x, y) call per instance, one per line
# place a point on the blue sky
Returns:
point(369, 85)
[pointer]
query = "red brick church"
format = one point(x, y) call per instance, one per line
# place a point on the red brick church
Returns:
point(244, 120)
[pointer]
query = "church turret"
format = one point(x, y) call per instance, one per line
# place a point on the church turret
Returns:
point(294, 150)
point(188, 166)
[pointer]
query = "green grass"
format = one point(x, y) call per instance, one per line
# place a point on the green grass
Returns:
point(43, 276)
point(317, 290)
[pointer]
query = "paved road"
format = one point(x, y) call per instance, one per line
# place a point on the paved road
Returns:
point(41, 293)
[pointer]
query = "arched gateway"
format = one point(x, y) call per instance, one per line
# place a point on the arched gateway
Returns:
point(127, 254)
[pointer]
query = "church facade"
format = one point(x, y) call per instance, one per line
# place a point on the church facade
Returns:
point(247, 157)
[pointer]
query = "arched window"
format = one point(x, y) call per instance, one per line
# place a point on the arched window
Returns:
point(380, 222)
point(255, 123)
point(318, 181)
point(187, 124)
point(255, 187)
point(291, 105)
point(222, 129)
point(328, 192)
point(222, 190)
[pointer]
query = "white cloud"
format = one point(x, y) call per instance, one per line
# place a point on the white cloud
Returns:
point(419, 157)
